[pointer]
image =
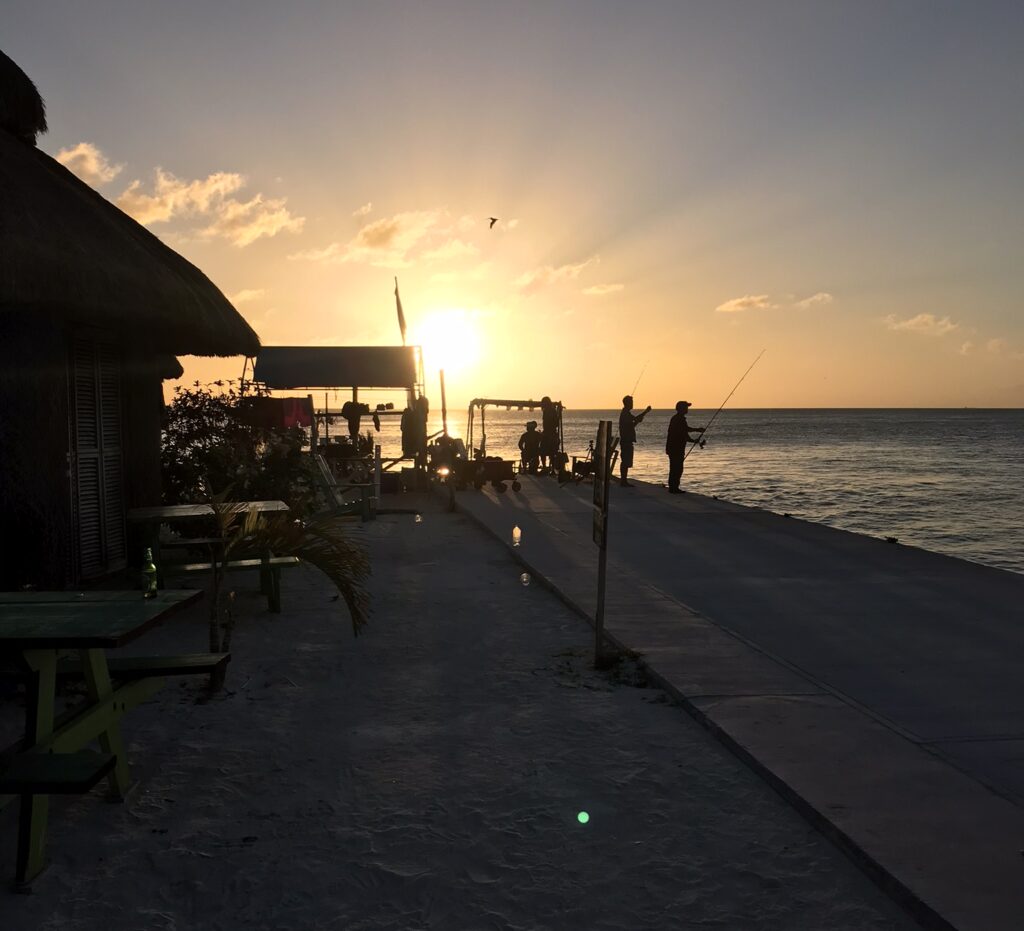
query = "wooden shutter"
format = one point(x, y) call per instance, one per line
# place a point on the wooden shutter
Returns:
point(99, 485)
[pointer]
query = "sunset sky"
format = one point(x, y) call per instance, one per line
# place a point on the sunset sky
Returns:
point(684, 184)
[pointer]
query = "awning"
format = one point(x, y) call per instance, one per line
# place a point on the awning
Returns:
point(289, 367)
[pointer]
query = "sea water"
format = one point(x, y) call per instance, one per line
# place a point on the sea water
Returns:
point(951, 481)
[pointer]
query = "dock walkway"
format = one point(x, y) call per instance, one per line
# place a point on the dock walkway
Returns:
point(875, 685)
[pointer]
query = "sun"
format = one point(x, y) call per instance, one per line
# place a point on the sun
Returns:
point(450, 339)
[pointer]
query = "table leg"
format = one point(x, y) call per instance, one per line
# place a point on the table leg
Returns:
point(33, 812)
point(98, 688)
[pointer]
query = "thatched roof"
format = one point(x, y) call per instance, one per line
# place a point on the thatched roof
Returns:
point(66, 249)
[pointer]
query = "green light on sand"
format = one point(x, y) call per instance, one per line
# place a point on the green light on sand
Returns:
point(583, 817)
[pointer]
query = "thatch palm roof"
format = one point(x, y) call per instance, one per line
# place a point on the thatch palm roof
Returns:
point(65, 248)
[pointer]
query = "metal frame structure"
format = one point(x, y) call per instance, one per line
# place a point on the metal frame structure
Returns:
point(484, 403)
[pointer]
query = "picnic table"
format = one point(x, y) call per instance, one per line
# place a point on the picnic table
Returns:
point(150, 519)
point(38, 627)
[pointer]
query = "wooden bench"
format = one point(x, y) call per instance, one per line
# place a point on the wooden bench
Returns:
point(270, 567)
point(33, 773)
point(55, 773)
point(141, 667)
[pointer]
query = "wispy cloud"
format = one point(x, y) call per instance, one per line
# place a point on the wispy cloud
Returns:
point(475, 273)
point(246, 295)
point(996, 345)
point(966, 348)
point(539, 278)
point(89, 163)
point(173, 197)
point(393, 242)
point(820, 299)
point(243, 223)
point(451, 250)
point(926, 324)
point(239, 222)
point(600, 290)
point(747, 302)
point(363, 211)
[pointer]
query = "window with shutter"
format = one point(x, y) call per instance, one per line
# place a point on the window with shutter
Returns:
point(99, 477)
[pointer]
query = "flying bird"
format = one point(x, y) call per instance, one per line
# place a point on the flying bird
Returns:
point(493, 221)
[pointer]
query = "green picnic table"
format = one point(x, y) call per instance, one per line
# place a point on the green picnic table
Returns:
point(37, 627)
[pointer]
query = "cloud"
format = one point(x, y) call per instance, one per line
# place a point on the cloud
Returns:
point(477, 273)
point(747, 302)
point(926, 324)
point(246, 295)
point(240, 222)
point(243, 223)
point(815, 300)
point(453, 249)
point(89, 163)
point(600, 290)
point(363, 211)
point(532, 281)
point(966, 348)
point(996, 345)
point(393, 242)
point(172, 197)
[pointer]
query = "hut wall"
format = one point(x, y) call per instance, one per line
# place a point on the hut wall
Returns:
point(35, 485)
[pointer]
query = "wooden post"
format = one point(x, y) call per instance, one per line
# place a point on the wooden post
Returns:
point(444, 407)
point(602, 473)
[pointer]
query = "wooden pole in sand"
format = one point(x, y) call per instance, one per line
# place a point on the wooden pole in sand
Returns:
point(602, 472)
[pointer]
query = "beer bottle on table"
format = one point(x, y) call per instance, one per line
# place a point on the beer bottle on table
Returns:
point(148, 575)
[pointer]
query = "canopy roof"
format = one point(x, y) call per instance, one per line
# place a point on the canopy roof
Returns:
point(64, 248)
point(337, 367)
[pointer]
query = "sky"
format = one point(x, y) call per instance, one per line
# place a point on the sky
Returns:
point(678, 185)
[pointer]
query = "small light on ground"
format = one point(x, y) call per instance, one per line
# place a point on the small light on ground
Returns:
point(583, 817)
point(525, 578)
point(418, 518)
point(517, 535)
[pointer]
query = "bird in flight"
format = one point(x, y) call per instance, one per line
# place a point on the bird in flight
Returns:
point(493, 221)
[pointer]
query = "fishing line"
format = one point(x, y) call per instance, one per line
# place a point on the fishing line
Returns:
point(641, 375)
point(719, 411)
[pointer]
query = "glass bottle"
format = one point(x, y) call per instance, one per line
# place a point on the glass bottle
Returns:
point(149, 581)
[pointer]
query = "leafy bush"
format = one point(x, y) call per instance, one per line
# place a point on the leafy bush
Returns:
point(210, 444)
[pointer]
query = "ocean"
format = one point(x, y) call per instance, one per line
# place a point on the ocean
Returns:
point(951, 481)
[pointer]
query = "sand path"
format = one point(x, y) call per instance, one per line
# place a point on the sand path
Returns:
point(429, 775)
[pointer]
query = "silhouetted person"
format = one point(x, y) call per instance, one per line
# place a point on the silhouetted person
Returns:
point(549, 439)
point(679, 434)
point(353, 412)
point(627, 437)
point(529, 447)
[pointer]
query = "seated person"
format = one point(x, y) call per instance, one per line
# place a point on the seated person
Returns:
point(529, 446)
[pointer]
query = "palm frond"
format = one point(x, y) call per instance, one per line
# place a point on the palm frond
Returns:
point(323, 543)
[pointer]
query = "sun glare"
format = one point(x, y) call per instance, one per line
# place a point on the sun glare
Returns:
point(450, 340)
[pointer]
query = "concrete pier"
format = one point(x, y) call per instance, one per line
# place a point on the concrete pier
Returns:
point(876, 685)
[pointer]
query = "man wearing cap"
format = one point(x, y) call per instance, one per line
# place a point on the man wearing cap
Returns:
point(679, 434)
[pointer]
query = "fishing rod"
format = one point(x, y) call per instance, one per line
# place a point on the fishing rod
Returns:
point(719, 411)
point(641, 375)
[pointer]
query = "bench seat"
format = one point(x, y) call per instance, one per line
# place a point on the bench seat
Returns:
point(269, 568)
point(142, 667)
point(55, 773)
point(275, 562)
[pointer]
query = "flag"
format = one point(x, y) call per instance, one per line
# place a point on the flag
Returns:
point(401, 315)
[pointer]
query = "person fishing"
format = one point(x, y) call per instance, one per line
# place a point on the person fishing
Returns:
point(627, 437)
point(529, 447)
point(549, 443)
point(679, 434)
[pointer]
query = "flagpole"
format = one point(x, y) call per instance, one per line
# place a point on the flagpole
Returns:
point(401, 313)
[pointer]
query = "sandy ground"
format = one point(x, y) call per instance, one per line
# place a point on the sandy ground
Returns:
point(429, 775)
